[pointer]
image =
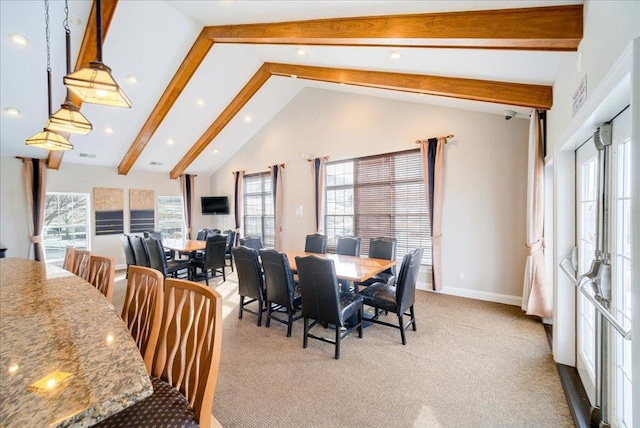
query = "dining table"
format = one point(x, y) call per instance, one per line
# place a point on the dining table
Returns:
point(185, 246)
point(350, 268)
point(66, 356)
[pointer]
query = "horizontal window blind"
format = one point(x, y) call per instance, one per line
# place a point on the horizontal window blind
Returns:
point(258, 207)
point(376, 196)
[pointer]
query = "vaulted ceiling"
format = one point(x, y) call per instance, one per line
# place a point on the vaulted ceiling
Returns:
point(209, 75)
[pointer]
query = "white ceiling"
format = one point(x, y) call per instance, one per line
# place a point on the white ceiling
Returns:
point(149, 39)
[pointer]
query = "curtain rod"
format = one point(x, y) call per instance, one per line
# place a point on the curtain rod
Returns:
point(446, 138)
point(320, 157)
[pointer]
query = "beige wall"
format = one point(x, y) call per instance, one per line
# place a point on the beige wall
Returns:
point(484, 208)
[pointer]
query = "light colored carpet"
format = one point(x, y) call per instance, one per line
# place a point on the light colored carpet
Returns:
point(470, 364)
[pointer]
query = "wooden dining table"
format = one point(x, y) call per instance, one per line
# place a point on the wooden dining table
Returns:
point(185, 246)
point(66, 356)
point(351, 268)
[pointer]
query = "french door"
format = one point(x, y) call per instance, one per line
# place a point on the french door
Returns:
point(618, 350)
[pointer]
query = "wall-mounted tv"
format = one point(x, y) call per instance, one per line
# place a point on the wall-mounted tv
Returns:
point(215, 205)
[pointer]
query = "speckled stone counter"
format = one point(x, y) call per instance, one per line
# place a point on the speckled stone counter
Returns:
point(52, 320)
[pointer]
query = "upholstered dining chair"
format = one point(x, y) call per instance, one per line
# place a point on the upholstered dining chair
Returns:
point(185, 367)
point(316, 243)
point(158, 261)
point(213, 260)
point(81, 263)
point(280, 288)
point(398, 299)
point(128, 251)
point(254, 242)
point(101, 272)
point(250, 281)
point(140, 251)
point(348, 246)
point(231, 242)
point(381, 248)
point(142, 309)
point(69, 256)
point(323, 302)
point(157, 234)
point(201, 235)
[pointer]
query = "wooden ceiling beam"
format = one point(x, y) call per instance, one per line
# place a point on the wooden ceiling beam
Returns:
point(517, 94)
point(247, 92)
point(556, 28)
point(179, 81)
point(88, 52)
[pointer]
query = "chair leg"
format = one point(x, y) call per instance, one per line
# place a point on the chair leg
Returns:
point(413, 318)
point(241, 305)
point(338, 342)
point(305, 337)
point(290, 323)
point(224, 276)
point(259, 310)
point(360, 322)
point(268, 322)
point(404, 339)
point(206, 277)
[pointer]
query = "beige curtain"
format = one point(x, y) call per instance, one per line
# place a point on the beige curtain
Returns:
point(34, 174)
point(318, 174)
point(188, 190)
point(278, 202)
point(238, 206)
point(432, 152)
point(536, 294)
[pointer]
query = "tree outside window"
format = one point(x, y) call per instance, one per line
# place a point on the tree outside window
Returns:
point(66, 222)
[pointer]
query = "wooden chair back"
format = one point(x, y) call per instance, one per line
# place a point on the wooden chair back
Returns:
point(142, 310)
point(81, 263)
point(188, 351)
point(69, 256)
point(100, 272)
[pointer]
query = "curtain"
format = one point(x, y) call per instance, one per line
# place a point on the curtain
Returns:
point(237, 203)
point(432, 152)
point(536, 293)
point(276, 184)
point(188, 186)
point(318, 172)
point(34, 173)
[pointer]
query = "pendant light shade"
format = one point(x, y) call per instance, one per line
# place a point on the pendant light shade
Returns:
point(49, 140)
point(95, 85)
point(69, 119)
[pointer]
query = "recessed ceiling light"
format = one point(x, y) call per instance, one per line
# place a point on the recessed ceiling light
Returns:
point(247, 118)
point(12, 111)
point(108, 130)
point(75, 20)
point(395, 55)
point(18, 39)
point(214, 151)
point(132, 79)
point(200, 102)
point(169, 141)
point(301, 51)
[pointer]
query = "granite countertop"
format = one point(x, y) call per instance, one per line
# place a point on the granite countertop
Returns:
point(52, 320)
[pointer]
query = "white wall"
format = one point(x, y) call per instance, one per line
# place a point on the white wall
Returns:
point(484, 208)
point(82, 179)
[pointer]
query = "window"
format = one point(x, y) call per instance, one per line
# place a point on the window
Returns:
point(379, 195)
point(258, 207)
point(66, 222)
point(170, 217)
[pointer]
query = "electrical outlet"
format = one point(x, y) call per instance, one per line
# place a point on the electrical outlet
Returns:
point(461, 275)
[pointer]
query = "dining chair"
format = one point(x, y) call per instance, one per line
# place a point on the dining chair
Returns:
point(81, 263)
point(324, 303)
point(140, 251)
point(254, 242)
point(348, 246)
point(185, 367)
point(158, 261)
point(157, 234)
point(316, 243)
point(100, 273)
point(381, 248)
point(69, 256)
point(384, 297)
point(231, 240)
point(281, 292)
point(213, 260)
point(142, 310)
point(128, 251)
point(202, 234)
point(250, 281)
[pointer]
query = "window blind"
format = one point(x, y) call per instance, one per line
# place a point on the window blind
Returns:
point(258, 207)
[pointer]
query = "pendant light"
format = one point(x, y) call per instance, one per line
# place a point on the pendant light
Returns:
point(68, 118)
point(94, 84)
point(48, 139)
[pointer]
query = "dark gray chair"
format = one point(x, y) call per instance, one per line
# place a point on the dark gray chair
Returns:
point(316, 243)
point(128, 251)
point(159, 262)
point(254, 242)
point(213, 259)
point(280, 287)
point(324, 303)
point(201, 235)
point(140, 251)
point(250, 281)
point(347, 246)
point(231, 239)
point(399, 298)
point(381, 248)
point(157, 234)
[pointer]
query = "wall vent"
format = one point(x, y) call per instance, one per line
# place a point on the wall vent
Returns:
point(87, 155)
point(155, 163)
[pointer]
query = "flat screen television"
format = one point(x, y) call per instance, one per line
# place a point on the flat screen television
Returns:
point(214, 205)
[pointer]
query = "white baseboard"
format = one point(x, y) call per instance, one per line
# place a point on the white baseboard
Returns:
point(121, 266)
point(474, 294)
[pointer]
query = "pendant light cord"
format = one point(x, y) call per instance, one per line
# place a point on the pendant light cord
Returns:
point(99, 29)
point(48, 36)
point(67, 32)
